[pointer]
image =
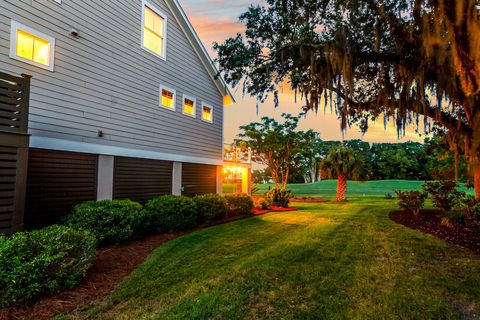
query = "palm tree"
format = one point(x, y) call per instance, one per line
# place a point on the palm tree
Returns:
point(343, 163)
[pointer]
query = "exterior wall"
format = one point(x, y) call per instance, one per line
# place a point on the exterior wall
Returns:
point(103, 80)
point(141, 179)
point(56, 181)
point(198, 179)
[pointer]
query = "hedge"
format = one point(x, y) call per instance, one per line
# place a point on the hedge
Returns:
point(110, 221)
point(170, 213)
point(43, 262)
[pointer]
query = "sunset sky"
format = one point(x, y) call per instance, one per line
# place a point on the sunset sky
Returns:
point(216, 20)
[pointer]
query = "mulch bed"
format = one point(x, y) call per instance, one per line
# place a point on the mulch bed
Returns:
point(309, 199)
point(110, 266)
point(430, 222)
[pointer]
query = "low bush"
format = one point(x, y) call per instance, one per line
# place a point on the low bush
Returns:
point(110, 221)
point(170, 213)
point(278, 197)
point(455, 216)
point(444, 193)
point(388, 196)
point(261, 203)
point(43, 262)
point(239, 204)
point(465, 211)
point(412, 201)
point(210, 207)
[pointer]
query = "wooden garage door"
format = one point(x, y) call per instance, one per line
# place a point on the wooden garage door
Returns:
point(141, 179)
point(198, 179)
point(56, 181)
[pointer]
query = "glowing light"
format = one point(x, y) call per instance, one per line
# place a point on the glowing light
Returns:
point(207, 114)
point(32, 48)
point(227, 100)
point(167, 99)
point(189, 107)
point(153, 31)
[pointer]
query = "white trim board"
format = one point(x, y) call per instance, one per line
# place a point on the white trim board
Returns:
point(84, 147)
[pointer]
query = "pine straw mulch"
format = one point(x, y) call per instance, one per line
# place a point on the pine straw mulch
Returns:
point(430, 222)
point(110, 266)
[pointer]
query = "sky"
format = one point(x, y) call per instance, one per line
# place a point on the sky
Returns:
point(217, 20)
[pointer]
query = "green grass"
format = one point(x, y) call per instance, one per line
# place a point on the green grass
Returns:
point(325, 261)
point(327, 188)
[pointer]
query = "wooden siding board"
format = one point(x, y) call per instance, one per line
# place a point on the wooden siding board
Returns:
point(57, 181)
point(86, 66)
point(8, 161)
point(141, 179)
point(198, 179)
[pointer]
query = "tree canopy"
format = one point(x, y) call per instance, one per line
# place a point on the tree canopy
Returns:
point(399, 59)
point(273, 144)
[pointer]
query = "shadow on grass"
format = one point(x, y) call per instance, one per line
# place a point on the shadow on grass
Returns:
point(324, 261)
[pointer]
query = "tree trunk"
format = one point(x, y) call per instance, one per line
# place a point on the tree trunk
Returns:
point(341, 188)
point(476, 181)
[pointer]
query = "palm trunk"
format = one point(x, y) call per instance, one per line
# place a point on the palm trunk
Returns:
point(341, 188)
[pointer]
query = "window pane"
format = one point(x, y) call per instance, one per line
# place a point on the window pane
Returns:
point(149, 17)
point(24, 45)
point(158, 25)
point(188, 107)
point(167, 99)
point(207, 114)
point(152, 42)
point(41, 51)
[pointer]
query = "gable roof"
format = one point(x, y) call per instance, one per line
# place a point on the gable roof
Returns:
point(199, 48)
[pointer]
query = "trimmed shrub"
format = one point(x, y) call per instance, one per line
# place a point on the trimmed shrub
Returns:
point(412, 201)
point(261, 203)
point(279, 197)
point(453, 217)
point(43, 262)
point(470, 205)
point(444, 193)
point(171, 213)
point(465, 211)
point(110, 221)
point(210, 207)
point(239, 204)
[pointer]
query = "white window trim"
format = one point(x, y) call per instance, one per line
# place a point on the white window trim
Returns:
point(208, 105)
point(13, 45)
point(155, 9)
point(162, 87)
point(185, 96)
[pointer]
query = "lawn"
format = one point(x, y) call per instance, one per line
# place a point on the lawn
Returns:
point(326, 188)
point(325, 261)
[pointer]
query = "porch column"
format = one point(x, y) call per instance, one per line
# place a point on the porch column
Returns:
point(177, 179)
point(246, 181)
point(105, 177)
point(219, 179)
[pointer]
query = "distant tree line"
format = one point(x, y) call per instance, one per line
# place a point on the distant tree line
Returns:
point(381, 161)
point(293, 156)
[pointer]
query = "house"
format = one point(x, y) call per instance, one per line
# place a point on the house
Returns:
point(125, 102)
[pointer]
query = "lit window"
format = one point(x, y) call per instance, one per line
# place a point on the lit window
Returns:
point(31, 46)
point(154, 30)
point(167, 98)
point(207, 113)
point(189, 106)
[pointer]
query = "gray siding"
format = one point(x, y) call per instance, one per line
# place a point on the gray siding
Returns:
point(104, 80)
